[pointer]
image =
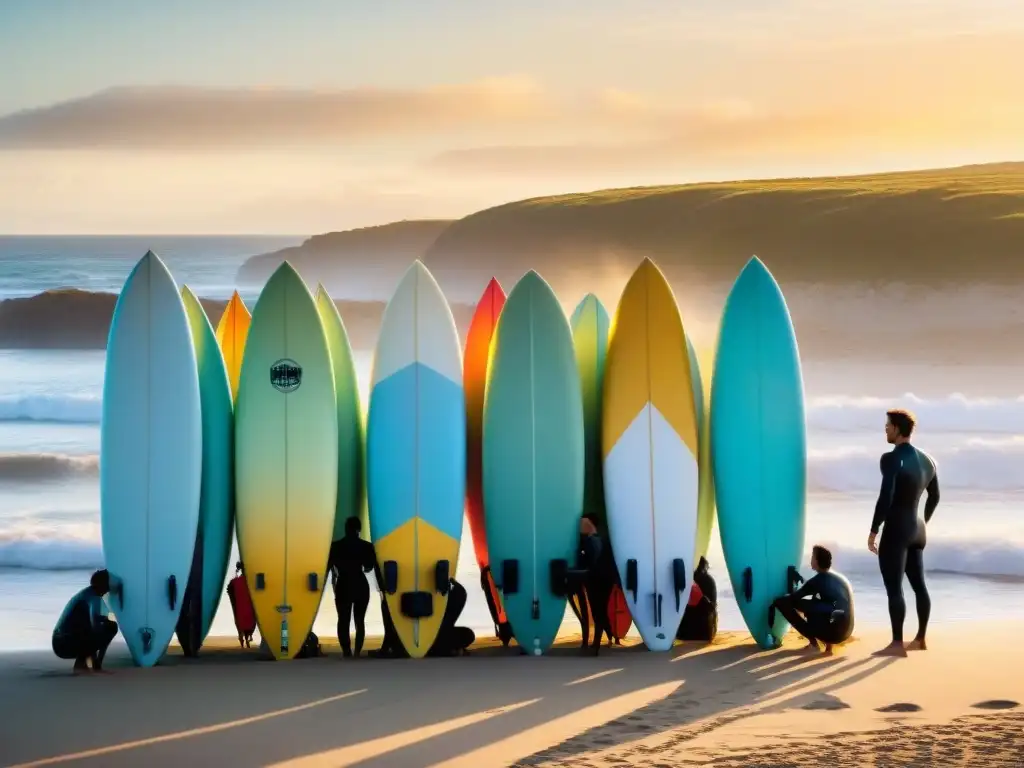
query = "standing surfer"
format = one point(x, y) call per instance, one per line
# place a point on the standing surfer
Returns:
point(349, 560)
point(906, 473)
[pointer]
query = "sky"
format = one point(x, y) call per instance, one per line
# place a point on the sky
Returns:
point(247, 116)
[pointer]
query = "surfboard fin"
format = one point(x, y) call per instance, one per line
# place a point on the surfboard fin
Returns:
point(509, 577)
point(147, 639)
point(313, 582)
point(535, 610)
point(261, 582)
point(748, 584)
point(172, 591)
point(390, 570)
point(559, 571)
point(657, 608)
point(442, 577)
point(679, 578)
point(794, 578)
point(631, 578)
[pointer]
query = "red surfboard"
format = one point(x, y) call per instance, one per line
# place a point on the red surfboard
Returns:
point(618, 613)
point(474, 381)
point(241, 605)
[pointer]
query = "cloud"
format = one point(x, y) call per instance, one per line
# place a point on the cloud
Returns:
point(181, 117)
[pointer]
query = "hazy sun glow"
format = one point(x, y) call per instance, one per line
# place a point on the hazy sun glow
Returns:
point(317, 116)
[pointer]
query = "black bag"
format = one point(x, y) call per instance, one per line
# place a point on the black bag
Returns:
point(311, 648)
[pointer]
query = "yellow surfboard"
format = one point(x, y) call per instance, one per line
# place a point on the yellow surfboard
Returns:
point(650, 442)
point(232, 330)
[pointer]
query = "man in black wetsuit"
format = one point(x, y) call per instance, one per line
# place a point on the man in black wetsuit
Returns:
point(906, 474)
point(83, 631)
point(350, 559)
point(822, 609)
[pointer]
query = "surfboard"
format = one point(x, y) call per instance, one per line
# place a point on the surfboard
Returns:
point(706, 479)
point(651, 448)
point(216, 500)
point(759, 446)
point(232, 330)
point(533, 460)
point(351, 475)
point(286, 461)
point(151, 443)
point(618, 613)
point(589, 323)
point(474, 382)
point(416, 456)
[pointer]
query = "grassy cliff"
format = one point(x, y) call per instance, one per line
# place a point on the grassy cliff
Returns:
point(926, 226)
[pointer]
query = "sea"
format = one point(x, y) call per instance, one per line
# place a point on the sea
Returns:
point(50, 403)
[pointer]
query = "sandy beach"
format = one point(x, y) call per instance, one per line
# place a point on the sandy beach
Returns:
point(724, 704)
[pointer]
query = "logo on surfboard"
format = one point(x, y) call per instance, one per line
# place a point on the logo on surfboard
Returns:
point(285, 375)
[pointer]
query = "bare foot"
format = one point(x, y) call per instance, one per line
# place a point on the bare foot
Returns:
point(917, 644)
point(893, 649)
point(811, 647)
point(829, 651)
point(81, 671)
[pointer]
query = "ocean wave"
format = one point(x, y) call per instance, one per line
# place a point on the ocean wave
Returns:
point(954, 413)
point(979, 464)
point(47, 547)
point(68, 409)
point(34, 467)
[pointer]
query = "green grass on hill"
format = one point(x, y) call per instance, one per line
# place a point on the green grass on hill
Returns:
point(935, 225)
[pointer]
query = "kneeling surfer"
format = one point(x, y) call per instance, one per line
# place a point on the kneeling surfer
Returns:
point(822, 609)
point(700, 619)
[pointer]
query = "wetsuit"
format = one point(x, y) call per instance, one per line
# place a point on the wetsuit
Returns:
point(826, 604)
point(588, 553)
point(351, 558)
point(906, 474)
point(83, 630)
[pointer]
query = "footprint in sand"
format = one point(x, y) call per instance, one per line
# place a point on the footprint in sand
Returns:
point(827, 703)
point(996, 704)
point(902, 706)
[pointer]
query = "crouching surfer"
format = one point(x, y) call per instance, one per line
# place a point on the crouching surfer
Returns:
point(83, 631)
point(452, 640)
point(822, 609)
point(700, 619)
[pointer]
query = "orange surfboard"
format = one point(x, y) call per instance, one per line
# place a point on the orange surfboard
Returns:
point(474, 381)
point(618, 613)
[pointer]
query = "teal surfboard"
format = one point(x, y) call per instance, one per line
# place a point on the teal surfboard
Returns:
point(589, 323)
point(533, 460)
point(217, 497)
point(759, 448)
point(151, 445)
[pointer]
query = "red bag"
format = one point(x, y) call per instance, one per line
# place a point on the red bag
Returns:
point(241, 605)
